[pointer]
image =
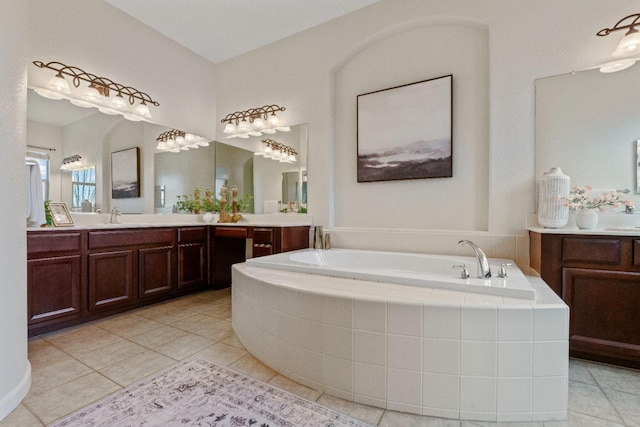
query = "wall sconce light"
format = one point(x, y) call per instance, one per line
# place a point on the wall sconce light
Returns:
point(72, 163)
point(628, 50)
point(254, 122)
point(175, 141)
point(102, 93)
point(277, 151)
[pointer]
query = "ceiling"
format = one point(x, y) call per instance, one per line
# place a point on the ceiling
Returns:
point(222, 29)
point(214, 29)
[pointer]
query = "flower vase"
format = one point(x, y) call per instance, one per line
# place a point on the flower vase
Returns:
point(552, 212)
point(586, 219)
point(208, 217)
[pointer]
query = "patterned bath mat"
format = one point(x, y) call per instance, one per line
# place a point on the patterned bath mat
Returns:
point(196, 392)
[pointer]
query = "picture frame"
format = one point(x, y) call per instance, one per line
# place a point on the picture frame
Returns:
point(125, 173)
point(406, 132)
point(60, 215)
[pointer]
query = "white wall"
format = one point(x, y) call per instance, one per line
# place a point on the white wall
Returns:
point(100, 39)
point(15, 370)
point(526, 41)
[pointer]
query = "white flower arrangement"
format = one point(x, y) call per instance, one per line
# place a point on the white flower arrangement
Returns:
point(579, 198)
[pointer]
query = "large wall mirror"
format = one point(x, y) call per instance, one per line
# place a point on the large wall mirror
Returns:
point(587, 123)
point(269, 183)
point(94, 136)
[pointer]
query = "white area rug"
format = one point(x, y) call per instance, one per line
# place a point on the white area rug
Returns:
point(196, 392)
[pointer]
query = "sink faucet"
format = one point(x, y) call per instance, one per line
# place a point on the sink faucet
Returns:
point(484, 271)
point(114, 216)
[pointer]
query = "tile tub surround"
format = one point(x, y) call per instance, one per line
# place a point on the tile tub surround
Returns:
point(416, 350)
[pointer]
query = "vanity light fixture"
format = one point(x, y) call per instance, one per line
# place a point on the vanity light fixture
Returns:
point(277, 151)
point(72, 163)
point(254, 122)
point(175, 141)
point(628, 50)
point(102, 93)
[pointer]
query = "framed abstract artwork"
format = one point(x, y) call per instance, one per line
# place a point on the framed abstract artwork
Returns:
point(405, 132)
point(125, 173)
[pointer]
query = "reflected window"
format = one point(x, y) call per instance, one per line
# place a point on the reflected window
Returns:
point(83, 186)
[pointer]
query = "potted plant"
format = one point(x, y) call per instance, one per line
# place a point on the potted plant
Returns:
point(581, 202)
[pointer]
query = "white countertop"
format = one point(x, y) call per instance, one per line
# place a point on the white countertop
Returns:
point(86, 221)
point(609, 224)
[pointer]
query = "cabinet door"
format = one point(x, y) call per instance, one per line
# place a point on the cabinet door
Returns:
point(155, 273)
point(192, 265)
point(53, 289)
point(605, 314)
point(111, 279)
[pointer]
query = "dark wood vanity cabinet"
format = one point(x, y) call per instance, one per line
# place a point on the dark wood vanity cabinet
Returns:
point(79, 275)
point(193, 258)
point(598, 276)
point(55, 266)
point(231, 245)
point(131, 265)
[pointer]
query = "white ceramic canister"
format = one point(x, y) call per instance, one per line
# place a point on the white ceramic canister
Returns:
point(552, 212)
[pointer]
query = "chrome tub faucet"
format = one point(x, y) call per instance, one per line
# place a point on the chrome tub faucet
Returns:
point(484, 271)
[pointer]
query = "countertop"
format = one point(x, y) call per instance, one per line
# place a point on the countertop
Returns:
point(609, 224)
point(101, 221)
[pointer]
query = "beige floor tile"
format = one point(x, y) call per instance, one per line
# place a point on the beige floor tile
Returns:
point(42, 353)
point(294, 387)
point(159, 336)
point(579, 371)
point(21, 417)
point(234, 341)
point(222, 354)
point(56, 374)
point(184, 346)
point(253, 368)
point(194, 323)
point(217, 331)
point(135, 368)
point(627, 405)
point(167, 315)
point(590, 400)
point(82, 339)
point(365, 413)
point(581, 420)
point(621, 379)
point(105, 356)
point(70, 397)
point(396, 419)
point(128, 325)
point(218, 311)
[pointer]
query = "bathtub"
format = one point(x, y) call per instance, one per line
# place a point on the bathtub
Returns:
point(432, 349)
point(431, 271)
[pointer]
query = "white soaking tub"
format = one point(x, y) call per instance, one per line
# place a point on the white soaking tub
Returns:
point(429, 349)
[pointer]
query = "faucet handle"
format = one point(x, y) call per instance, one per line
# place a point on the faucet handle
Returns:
point(464, 274)
point(502, 273)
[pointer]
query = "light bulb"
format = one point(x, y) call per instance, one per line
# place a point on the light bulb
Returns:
point(142, 110)
point(273, 120)
point(229, 128)
point(48, 93)
point(91, 94)
point(243, 126)
point(629, 45)
point(258, 123)
point(189, 137)
point(180, 140)
point(118, 102)
point(613, 66)
point(59, 84)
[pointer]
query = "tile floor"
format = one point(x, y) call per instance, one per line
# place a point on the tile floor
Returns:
point(76, 366)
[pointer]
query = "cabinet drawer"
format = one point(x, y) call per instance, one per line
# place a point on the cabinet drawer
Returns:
point(138, 237)
point(53, 242)
point(600, 251)
point(263, 235)
point(239, 232)
point(192, 234)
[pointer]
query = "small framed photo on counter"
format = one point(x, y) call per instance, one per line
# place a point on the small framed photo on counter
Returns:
point(60, 215)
